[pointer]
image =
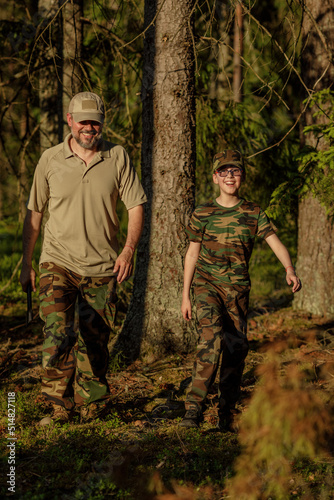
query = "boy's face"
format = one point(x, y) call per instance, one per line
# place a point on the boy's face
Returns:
point(229, 179)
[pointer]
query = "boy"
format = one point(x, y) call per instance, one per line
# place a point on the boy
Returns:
point(221, 235)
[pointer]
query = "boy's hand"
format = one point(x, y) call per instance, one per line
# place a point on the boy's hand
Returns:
point(186, 309)
point(292, 279)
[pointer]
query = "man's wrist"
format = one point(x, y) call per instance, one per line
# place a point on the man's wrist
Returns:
point(129, 246)
point(26, 263)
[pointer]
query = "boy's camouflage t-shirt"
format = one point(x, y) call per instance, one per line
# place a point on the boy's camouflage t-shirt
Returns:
point(227, 236)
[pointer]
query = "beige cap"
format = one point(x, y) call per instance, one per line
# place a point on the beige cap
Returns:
point(87, 106)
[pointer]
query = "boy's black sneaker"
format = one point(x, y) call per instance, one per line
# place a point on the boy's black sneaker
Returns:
point(192, 417)
point(227, 422)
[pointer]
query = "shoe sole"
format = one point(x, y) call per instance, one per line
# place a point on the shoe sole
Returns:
point(189, 425)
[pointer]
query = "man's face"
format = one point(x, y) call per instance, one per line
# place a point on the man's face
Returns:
point(88, 133)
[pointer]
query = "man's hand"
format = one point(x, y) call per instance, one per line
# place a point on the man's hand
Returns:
point(124, 264)
point(31, 229)
point(27, 276)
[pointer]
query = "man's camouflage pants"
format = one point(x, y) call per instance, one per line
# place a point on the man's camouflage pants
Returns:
point(222, 318)
point(78, 313)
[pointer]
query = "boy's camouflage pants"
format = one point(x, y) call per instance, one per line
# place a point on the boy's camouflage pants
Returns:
point(75, 360)
point(222, 317)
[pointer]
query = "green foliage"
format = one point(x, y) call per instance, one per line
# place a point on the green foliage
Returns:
point(98, 489)
point(317, 163)
point(267, 274)
point(316, 160)
point(10, 254)
point(286, 421)
point(117, 363)
point(26, 407)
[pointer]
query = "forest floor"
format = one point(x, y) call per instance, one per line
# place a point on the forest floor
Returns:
point(140, 452)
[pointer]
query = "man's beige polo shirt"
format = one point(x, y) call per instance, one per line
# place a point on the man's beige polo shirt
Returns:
point(81, 233)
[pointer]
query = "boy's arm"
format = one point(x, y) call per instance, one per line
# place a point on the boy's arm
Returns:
point(283, 256)
point(189, 269)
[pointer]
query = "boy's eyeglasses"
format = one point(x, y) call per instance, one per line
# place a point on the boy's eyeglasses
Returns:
point(235, 172)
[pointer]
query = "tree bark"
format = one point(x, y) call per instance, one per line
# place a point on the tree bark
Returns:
point(315, 264)
point(50, 77)
point(238, 49)
point(23, 185)
point(221, 86)
point(72, 16)
point(154, 324)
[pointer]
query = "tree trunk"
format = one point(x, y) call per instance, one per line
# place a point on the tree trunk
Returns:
point(154, 325)
point(50, 88)
point(72, 15)
point(315, 264)
point(23, 185)
point(220, 87)
point(238, 48)
point(2, 181)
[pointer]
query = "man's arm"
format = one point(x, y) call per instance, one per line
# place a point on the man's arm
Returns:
point(283, 256)
point(189, 269)
point(31, 229)
point(124, 262)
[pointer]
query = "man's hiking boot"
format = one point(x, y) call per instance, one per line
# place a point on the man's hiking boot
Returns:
point(59, 415)
point(192, 417)
point(93, 411)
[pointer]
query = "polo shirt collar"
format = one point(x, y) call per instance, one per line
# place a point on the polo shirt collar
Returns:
point(67, 150)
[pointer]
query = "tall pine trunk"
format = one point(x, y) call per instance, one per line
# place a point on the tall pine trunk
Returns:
point(154, 325)
point(50, 76)
point(221, 56)
point(72, 15)
point(22, 169)
point(238, 50)
point(315, 263)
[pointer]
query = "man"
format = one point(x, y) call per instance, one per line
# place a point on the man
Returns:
point(80, 180)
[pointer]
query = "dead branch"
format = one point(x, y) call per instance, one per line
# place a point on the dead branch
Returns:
point(288, 133)
point(278, 46)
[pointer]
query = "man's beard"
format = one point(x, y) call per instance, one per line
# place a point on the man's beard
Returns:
point(92, 144)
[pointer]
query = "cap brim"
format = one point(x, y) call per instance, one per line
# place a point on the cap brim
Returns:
point(223, 165)
point(81, 117)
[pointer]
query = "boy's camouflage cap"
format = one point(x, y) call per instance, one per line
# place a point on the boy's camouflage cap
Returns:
point(228, 157)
